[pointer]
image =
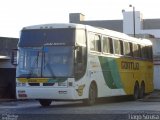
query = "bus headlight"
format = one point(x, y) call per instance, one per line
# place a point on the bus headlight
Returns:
point(18, 84)
point(62, 83)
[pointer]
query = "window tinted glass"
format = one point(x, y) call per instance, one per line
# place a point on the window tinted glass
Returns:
point(95, 42)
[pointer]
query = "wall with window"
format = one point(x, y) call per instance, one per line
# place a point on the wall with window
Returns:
point(7, 70)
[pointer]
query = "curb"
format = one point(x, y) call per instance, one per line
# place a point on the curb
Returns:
point(7, 100)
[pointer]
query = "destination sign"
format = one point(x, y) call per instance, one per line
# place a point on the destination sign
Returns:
point(56, 44)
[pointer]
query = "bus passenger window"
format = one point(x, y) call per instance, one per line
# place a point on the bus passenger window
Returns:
point(144, 51)
point(92, 42)
point(136, 50)
point(139, 51)
point(111, 45)
point(116, 46)
point(126, 48)
point(121, 47)
point(150, 52)
point(131, 49)
point(106, 47)
point(95, 42)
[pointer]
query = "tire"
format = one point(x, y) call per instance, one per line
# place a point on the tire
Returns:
point(142, 91)
point(136, 92)
point(92, 95)
point(45, 102)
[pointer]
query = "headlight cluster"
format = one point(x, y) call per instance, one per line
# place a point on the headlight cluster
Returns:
point(62, 83)
point(19, 84)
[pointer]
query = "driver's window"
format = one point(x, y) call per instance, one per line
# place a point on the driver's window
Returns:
point(80, 63)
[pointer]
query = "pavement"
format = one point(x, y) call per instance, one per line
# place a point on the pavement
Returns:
point(152, 97)
point(6, 100)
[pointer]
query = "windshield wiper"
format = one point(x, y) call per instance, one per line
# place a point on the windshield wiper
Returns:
point(48, 66)
point(50, 70)
point(35, 62)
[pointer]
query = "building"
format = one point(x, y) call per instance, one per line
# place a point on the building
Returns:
point(7, 70)
point(132, 21)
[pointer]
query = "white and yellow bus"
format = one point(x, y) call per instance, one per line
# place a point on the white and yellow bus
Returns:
point(81, 62)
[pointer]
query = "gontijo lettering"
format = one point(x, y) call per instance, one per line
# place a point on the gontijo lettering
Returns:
point(130, 65)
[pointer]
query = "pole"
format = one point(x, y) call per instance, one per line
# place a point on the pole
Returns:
point(134, 32)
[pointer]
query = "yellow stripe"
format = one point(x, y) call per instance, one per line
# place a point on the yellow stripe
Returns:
point(33, 80)
point(135, 70)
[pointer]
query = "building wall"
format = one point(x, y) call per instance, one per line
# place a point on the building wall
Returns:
point(128, 22)
point(7, 44)
point(151, 24)
point(7, 70)
point(116, 25)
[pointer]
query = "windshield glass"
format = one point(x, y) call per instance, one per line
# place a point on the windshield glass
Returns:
point(49, 61)
point(58, 61)
point(29, 62)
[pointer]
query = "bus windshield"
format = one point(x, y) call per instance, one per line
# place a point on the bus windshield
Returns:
point(49, 61)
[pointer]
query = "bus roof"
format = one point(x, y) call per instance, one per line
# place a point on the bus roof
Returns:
point(104, 31)
point(55, 25)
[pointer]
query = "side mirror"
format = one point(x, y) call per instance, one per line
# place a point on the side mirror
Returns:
point(14, 57)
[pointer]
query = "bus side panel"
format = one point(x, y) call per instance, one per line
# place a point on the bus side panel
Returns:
point(135, 70)
point(104, 71)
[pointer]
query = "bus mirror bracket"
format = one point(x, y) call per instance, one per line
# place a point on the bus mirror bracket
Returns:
point(76, 47)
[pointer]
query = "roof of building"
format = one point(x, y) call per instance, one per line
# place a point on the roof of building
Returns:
point(151, 23)
point(116, 25)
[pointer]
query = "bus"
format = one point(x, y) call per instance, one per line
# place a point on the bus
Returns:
point(81, 62)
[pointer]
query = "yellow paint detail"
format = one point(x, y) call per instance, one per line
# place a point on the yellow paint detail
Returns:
point(33, 80)
point(135, 70)
point(80, 90)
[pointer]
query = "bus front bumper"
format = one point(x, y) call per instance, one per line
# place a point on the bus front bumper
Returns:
point(45, 93)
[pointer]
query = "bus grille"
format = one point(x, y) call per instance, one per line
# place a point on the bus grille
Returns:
point(38, 84)
point(34, 84)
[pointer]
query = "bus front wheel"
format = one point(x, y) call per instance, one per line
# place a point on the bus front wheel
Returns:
point(45, 102)
point(92, 95)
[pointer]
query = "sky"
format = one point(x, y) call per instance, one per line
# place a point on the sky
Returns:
point(16, 14)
